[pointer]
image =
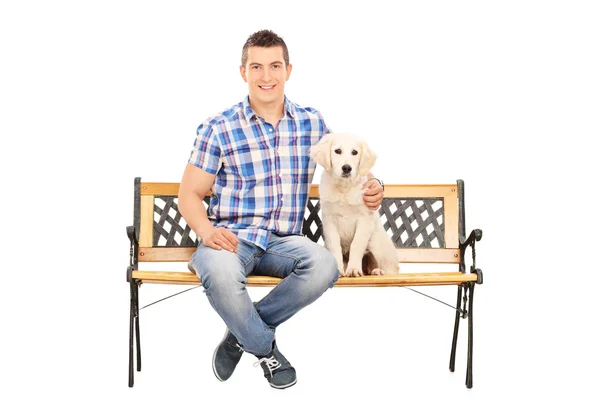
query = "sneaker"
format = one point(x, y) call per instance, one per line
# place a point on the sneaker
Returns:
point(226, 356)
point(278, 371)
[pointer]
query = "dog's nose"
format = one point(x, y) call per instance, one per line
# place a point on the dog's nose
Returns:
point(346, 169)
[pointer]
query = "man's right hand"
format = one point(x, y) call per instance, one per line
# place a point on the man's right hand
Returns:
point(220, 238)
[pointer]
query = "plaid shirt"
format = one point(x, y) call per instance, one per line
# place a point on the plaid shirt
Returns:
point(263, 173)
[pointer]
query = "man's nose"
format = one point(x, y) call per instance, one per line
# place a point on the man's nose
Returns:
point(266, 75)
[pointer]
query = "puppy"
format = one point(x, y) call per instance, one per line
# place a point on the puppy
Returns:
point(351, 231)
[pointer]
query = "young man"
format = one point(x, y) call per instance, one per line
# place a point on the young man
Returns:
point(254, 157)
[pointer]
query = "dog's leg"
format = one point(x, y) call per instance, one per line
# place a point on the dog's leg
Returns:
point(369, 264)
point(384, 251)
point(332, 240)
point(358, 247)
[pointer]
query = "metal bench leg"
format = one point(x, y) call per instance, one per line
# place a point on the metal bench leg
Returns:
point(469, 381)
point(456, 324)
point(131, 318)
point(137, 328)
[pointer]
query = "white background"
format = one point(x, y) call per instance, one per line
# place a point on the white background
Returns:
point(504, 95)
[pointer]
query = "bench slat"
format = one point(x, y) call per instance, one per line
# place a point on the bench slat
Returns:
point(402, 279)
point(406, 255)
point(391, 190)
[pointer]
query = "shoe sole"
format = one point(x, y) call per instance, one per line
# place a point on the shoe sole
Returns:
point(286, 386)
point(215, 356)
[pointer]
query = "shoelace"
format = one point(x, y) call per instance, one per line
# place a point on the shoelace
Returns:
point(239, 347)
point(271, 363)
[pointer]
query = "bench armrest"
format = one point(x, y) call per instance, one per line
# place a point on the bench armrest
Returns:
point(133, 247)
point(131, 235)
point(475, 236)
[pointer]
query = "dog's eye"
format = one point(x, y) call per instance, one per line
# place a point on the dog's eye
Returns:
point(354, 152)
point(338, 151)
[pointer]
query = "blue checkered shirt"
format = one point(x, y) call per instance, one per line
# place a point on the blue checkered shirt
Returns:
point(263, 173)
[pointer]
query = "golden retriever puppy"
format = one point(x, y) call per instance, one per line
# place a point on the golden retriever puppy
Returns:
point(351, 231)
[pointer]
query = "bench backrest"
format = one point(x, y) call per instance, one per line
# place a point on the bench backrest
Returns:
point(425, 222)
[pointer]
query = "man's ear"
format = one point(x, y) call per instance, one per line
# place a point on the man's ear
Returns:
point(367, 159)
point(288, 72)
point(321, 152)
point(243, 73)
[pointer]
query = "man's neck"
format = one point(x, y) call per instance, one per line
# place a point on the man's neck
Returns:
point(271, 112)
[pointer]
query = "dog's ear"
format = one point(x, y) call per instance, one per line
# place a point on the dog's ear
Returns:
point(321, 152)
point(367, 159)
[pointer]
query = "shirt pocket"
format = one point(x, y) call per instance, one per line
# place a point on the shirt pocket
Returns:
point(294, 156)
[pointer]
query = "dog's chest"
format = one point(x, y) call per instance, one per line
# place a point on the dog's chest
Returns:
point(345, 218)
point(346, 227)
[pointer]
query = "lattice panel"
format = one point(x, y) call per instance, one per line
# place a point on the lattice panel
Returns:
point(409, 222)
point(414, 222)
point(170, 229)
point(313, 226)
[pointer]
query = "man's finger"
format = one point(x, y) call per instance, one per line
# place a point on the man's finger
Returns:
point(232, 237)
point(225, 244)
point(213, 245)
point(230, 240)
point(374, 190)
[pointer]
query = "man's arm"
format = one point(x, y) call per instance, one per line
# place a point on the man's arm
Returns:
point(195, 184)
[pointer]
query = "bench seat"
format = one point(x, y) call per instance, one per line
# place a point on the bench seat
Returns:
point(401, 279)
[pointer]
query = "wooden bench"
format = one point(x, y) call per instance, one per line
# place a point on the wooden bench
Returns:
point(426, 223)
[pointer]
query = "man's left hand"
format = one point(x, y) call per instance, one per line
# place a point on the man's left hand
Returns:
point(373, 194)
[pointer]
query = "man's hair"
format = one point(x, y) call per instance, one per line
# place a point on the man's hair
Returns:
point(265, 38)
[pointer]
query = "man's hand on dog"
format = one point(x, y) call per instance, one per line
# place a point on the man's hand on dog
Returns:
point(373, 194)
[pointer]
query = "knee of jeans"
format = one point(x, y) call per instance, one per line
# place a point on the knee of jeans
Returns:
point(219, 277)
point(328, 269)
point(332, 266)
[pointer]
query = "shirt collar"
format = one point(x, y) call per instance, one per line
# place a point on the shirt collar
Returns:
point(288, 107)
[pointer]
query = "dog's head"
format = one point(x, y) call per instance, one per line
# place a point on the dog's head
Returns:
point(344, 155)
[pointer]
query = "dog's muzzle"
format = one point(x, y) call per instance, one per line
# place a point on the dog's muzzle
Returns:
point(346, 170)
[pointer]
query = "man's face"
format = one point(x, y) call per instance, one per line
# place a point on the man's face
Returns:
point(266, 74)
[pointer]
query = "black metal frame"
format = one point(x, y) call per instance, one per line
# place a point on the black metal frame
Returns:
point(465, 292)
point(469, 287)
point(133, 233)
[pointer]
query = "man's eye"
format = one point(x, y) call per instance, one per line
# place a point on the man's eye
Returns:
point(255, 67)
point(276, 66)
point(338, 151)
point(354, 152)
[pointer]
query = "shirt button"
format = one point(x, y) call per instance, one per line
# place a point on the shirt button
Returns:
point(270, 129)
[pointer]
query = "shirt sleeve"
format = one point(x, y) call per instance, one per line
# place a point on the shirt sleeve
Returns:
point(206, 153)
point(323, 125)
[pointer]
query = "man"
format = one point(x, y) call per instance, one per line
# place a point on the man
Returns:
point(254, 157)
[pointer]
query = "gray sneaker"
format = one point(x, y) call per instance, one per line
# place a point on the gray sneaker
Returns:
point(278, 371)
point(226, 356)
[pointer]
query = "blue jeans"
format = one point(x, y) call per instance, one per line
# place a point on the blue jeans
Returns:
point(307, 269)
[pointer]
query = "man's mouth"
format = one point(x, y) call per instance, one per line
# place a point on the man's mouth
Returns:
point(266, 87)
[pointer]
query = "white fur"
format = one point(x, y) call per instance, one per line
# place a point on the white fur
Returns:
point(350, 228)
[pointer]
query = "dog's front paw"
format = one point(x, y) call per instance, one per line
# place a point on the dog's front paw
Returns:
point(377, 271)
point(354, 271)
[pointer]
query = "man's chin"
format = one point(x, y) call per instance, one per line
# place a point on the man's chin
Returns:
point(268, 97)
